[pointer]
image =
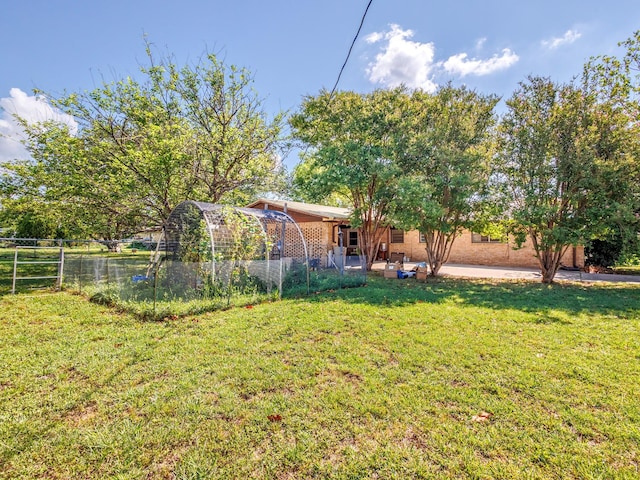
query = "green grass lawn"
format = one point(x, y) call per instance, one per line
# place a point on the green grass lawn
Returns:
point(33, 268)
point(385, 381)
point(628, 270)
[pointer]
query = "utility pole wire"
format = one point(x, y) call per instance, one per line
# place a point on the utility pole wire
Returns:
point(350, 48)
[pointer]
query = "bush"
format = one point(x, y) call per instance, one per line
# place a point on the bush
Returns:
point(138, 245)
point(629, 260)
point(105, 297)
point(603, 253)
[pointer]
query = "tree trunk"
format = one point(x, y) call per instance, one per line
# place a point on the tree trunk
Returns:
point(548, 273)
point(370, 236)
point(549, 265)
point(113, 246)
point(434, 268)
point(549, 260)
point(438, 247)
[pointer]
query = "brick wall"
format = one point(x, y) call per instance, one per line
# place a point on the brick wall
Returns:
point(494, 254)
point(318, 237)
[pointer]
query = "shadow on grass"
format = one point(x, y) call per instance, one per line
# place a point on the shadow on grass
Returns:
point(522, 295)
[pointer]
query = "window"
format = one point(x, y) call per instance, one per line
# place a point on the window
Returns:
point(478, 238)
point(353, 238)
point(397, 236)
point(421, 238)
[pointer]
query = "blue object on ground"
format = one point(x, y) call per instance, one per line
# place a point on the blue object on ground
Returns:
point(139, 278)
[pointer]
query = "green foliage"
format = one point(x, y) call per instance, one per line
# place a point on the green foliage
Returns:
point(604, 253)
point(446, 168)
point(195, 241)
point(34, 224)
point(245, 240)
point(630, 254)
point(29, 211)
point(296, 277)
point(617, 80)
point(108, 297)
point(354, 142)
point(566, 154)
point(143, 146)
point(321, 280)
point(137, 245)
point(245, 237)
point(628, 259)
point(417, 160)
point(617, 248)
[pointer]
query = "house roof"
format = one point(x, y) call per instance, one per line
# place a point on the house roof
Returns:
point(324, 211)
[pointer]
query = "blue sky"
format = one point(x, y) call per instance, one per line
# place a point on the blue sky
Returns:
point(296, 47)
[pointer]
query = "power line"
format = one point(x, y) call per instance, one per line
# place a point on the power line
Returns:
point(350, 48)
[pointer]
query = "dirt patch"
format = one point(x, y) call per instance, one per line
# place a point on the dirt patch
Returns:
point(598, 269)
point(82, 414)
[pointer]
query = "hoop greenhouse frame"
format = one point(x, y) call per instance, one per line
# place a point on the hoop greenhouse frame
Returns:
point(219, 247)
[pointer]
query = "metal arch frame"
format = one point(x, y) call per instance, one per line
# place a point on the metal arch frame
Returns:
point(259, 215)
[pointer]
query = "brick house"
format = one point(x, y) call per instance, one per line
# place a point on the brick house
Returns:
point(321, 224)
point(475, 249)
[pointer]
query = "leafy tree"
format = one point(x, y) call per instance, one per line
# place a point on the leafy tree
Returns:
point(302, 187)
point(88, 196)
point(233, 147)
point(566, 153)
point(196, 132)
point(31, 223)
point(617, 81)
point(353, 141)
point(446, 167)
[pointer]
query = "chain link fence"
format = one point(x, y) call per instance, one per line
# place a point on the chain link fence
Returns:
point(86, 263)
point(141, 271)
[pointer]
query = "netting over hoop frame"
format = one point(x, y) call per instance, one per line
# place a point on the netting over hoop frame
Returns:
point(219, 249)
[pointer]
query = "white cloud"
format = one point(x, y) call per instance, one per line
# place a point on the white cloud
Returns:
point(569, 37)
point(404, 61)
point(33, 109)
point(374, 37)
point(461, 65)
point(480, 43)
